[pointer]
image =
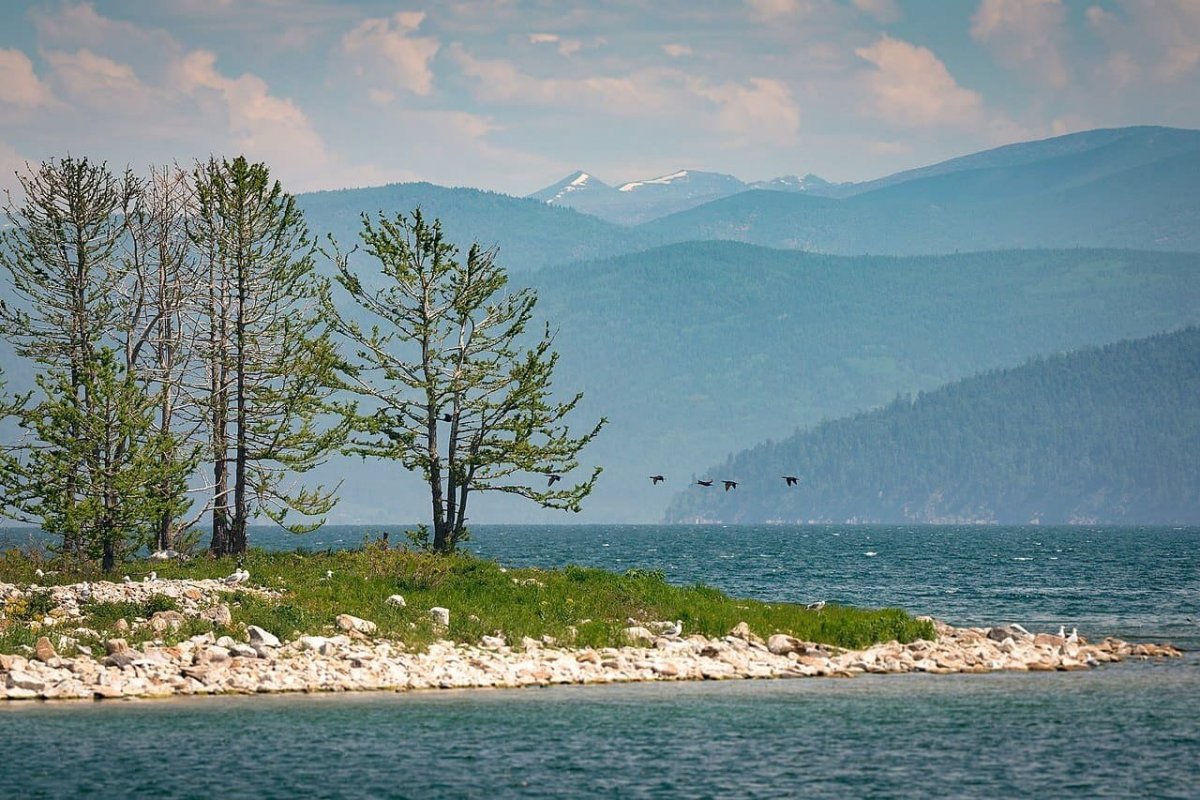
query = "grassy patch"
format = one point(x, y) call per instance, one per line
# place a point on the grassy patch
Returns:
point(576, 605)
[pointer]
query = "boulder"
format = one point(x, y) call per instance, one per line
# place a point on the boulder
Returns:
point(24, 680)
point(44, 651)
point(397, 600)
point(351, 623)
point(441, 616)
point(243, 650)
point(121, 626)
point(637, 633)
point(317, 644)
point(781, 644)
point(163, 621)
point(492, 642)
point(115, 646)
point(742, 631)
point(258, 636)
point(218, 615)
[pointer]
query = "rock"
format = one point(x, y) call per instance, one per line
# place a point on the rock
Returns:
point(115, 646)
point(243, 650)
point(351, 623)
point(397, 601)
point(492, 642)
point(742, 631)
point(781, 644)
point(121, 626)
point(258, 636)
point(637, 633)
point(24, 680)
point(218, 615)
point(8, 663)
point(317, 644)
point(1002, 632)
point(163, 621)
point(441, 616)
point(44, 651)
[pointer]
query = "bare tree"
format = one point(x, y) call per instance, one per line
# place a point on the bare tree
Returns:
point(163, 297)
point(450, 357)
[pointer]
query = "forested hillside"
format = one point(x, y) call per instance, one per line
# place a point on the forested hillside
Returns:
point(1109, 434)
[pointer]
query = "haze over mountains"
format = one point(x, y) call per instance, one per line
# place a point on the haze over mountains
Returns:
point(705, 331)
point(696, 348)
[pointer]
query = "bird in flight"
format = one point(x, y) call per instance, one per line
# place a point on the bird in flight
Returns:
point(729, 485)
point(791, 479)
point(704, 483)
point(656, 479)
point(553, 479)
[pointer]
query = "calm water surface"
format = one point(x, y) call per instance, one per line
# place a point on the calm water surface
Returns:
point(1121, 731)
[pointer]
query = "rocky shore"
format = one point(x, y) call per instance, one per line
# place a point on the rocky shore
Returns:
point(353, 660)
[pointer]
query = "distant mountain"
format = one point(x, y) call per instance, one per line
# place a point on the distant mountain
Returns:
point(530, 234)
point(640, 201)
point(1132, 187)
point(697, 350)
point(1102, 435)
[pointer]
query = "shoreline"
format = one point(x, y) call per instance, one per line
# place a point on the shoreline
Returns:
point(355, 661)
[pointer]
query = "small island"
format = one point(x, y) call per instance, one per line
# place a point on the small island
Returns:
point(397, 620)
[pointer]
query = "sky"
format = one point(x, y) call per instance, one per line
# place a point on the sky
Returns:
point(512, 95)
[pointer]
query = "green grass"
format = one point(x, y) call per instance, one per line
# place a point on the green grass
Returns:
point(575, 605)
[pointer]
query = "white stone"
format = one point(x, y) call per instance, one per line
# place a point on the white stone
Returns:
point(259, 636)
point(397, 600)
point(441, 616)
point(348, 622)
point(314, 643)
point(24, 680)
point(243, 650)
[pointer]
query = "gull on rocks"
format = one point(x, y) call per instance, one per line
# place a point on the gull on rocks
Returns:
point(674, 630)
point(153, 576)
point(126, 580)
point(239, 576)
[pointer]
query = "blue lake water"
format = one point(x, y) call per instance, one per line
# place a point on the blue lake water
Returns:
point(1120, 731)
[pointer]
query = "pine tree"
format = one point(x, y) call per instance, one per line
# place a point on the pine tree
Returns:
point(449, 360)
point(268, 363)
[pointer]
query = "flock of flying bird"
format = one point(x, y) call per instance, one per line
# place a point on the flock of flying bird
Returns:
point(791, 480)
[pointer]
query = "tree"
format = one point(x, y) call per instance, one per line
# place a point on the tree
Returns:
point(60, 253)
point(162, 302)
point(267, 362)
point(449, 359)
point(121, 472)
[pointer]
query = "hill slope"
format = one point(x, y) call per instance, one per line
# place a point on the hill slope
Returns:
point(530, 234)
point(1107, 435)
point(1130, 188)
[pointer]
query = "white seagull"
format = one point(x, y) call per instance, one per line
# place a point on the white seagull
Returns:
point(672, 631)
point(817, 606)
point(239, 576)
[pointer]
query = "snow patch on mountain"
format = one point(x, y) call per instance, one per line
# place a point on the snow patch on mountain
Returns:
point(663, 179)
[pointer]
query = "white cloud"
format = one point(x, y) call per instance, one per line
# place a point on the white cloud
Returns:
point(97, 82)
point(769, 9)
point(384, 48)
point(1156, 40)
point(565, 47)
point(677, 50)
point(883, 10)
point(761, 111)
point(19, 84)
point(11, 163)
point(267, 127)
point(1024, 34)
point(911, 88)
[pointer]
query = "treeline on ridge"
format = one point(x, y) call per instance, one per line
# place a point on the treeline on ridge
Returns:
point(1102, 435)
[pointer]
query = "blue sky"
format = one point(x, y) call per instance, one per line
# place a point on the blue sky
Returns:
point(513, 94)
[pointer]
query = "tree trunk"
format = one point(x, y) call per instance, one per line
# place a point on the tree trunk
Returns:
point(241, 510)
